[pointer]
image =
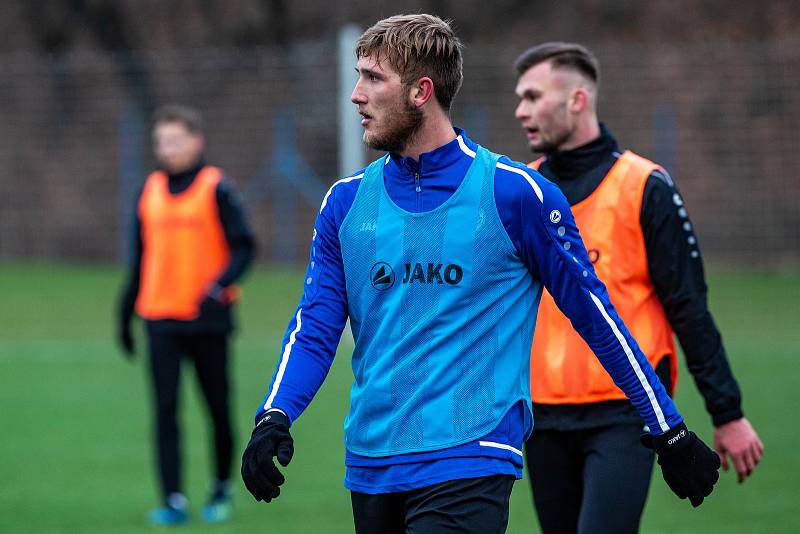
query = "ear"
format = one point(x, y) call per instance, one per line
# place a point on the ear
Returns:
point(579, 100)
point(422, 91)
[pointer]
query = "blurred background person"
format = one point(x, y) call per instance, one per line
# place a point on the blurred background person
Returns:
point(191, 245)
point(588, 471)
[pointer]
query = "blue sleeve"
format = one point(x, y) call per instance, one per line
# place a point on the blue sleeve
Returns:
point(539, 222)
point(315, 329)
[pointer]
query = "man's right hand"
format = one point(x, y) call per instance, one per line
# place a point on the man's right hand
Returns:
point(739, 440)
point(690, 468)
point(270, 439)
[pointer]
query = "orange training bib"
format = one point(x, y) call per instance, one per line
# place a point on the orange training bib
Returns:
point(184, 246)
point(563, 368)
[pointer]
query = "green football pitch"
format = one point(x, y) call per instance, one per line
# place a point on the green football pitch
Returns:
point(75, 445)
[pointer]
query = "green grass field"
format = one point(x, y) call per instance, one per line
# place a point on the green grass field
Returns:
point(75, 453)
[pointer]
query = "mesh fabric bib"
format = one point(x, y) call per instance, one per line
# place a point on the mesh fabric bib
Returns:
point(442, 311)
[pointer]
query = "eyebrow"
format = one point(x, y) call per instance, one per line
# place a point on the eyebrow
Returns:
point(528, 93)
point(368, 72)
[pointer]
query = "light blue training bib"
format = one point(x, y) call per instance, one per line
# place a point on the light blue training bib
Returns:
point(442, 311)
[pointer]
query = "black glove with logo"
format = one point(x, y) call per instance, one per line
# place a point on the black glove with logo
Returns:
point(270, 438)
point(690, 468)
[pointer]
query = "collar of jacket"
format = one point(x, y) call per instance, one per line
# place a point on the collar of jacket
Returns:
point(569, 164)
point(407, 170)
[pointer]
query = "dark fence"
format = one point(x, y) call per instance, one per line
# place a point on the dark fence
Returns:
point(75, 146)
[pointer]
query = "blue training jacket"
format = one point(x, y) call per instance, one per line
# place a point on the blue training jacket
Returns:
point(539, 224)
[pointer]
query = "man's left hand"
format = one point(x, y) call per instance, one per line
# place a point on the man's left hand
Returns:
point(270, 438)
point(125, 339)
point(740, 441)
point(688, 466)
point(211, 307)
point(214, 304)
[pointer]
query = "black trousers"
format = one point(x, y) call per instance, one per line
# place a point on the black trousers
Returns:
point(589, 481)
point(209, 353)
point(465, 506)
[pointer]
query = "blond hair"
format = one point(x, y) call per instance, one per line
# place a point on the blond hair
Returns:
point(416, 46)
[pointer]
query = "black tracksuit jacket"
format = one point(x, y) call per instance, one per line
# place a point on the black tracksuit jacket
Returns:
point(240, 242)
point(676, 270)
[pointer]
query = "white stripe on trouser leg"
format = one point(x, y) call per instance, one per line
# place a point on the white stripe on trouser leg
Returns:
point(634, 363)
point(287, 351)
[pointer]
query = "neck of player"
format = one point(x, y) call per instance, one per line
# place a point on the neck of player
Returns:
point(436, 130)
point(587, 129)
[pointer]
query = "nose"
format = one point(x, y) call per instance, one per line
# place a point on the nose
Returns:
point(356, 97)
point(521, 112)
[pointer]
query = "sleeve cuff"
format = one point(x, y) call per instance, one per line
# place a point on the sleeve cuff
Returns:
point(722, 418)
point(262, 413)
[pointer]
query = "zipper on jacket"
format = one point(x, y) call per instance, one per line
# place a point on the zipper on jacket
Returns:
point(418, 188)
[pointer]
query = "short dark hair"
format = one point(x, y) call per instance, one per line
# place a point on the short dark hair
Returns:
point(560, 55)
point(188, 116)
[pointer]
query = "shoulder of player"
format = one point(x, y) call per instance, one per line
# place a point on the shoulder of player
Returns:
point(340, 196)
point(660, 189)
point(658, 175)
point(228, 195)
point(227, 186)
point(515, 181)
point(659, 185)
point(660, 178)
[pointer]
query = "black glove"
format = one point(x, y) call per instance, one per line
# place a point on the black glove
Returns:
point(125, 338)
point(270, 438)
point(690, 468)
point(125, 309)
point(212, 308)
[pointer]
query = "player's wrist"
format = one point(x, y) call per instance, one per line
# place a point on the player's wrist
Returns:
point(673, 441)
point(723, 418)
point(271, 418)
point(216, 292)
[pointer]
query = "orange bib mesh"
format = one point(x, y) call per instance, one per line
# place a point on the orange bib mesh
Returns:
point(184, 246)
point(563, 368)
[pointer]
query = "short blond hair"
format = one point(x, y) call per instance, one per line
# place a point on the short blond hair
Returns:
point(416, 46)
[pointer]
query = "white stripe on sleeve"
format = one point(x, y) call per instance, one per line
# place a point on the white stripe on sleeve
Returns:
point(342, 181)
point(287, 351)
point(634, 364)
point(531, 181)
